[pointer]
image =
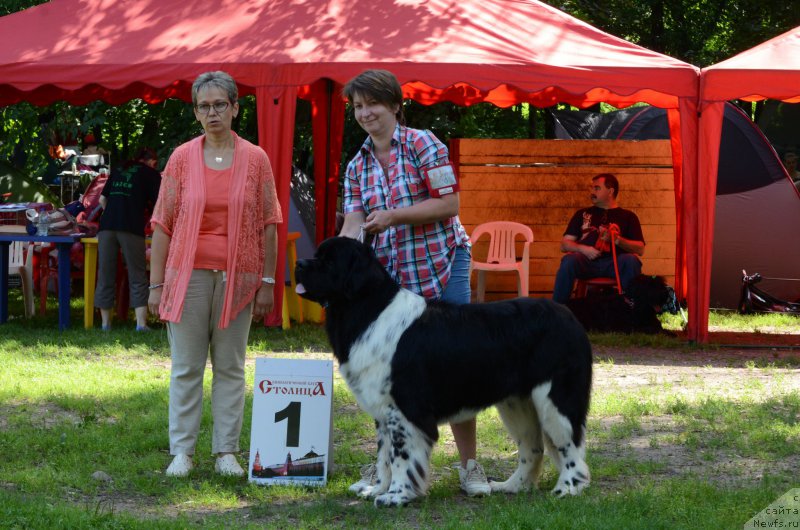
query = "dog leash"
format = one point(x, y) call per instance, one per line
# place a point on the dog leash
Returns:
point(614, 258)
point(364, 237)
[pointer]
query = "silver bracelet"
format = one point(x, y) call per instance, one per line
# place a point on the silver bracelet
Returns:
point(269, 280)
point(155, 286)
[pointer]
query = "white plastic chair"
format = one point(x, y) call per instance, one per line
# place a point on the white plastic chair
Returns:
point(20, 263)
point(502, 253)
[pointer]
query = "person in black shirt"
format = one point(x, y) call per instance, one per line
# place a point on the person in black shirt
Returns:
point(127, 198)
point(587, 240)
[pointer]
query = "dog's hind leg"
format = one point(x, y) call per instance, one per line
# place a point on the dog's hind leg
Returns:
point(409, 457)
point(522, 422)
point(574, 472)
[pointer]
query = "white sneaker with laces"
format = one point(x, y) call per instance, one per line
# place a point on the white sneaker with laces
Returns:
point(369, 476)
point(228, 466)
point(181, 466)
point(473, 479)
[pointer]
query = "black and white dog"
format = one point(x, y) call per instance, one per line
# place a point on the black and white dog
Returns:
point(413, 365)
point(634, 312)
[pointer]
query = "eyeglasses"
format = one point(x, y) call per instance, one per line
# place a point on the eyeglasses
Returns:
point(219, 107)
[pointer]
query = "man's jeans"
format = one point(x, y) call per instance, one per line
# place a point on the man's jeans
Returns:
point(576, 265)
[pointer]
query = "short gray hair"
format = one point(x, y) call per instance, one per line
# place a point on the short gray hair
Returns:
point(218, 79)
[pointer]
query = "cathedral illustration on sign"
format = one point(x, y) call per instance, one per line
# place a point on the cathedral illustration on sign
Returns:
point(309, 465)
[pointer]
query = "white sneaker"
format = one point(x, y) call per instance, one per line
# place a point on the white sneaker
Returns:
point(228, 466)
point(473, 479)
point(181, 466)
point(369, 477)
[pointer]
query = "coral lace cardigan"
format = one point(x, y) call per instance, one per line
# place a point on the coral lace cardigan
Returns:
point(253, 204)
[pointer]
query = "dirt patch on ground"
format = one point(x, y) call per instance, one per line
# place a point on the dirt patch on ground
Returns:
point(756, 371)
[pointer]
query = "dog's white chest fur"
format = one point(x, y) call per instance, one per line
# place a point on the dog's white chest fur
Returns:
point(368, 367)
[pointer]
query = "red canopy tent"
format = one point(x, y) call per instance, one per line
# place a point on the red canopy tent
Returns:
point(771, 70)
point(500, 51)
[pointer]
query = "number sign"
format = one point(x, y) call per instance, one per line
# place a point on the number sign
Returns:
point(292, 433)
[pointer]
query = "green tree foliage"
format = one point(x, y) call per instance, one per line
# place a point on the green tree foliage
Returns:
point(29, 132)
point(701, 32)
point(12, 6)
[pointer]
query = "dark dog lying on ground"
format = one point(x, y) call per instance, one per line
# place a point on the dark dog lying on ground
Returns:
point(634, 312)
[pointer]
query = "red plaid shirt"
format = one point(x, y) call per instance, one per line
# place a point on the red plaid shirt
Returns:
point(417, 256)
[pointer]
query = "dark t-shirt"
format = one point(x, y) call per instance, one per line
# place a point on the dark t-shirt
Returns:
point(131, 191)
point(584, 224)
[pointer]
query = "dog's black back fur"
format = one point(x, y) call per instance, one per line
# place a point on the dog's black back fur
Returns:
point(447, 360)
point(634, 312)
point(464, 369)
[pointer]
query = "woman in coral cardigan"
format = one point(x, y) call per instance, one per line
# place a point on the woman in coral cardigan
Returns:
point(212, 269)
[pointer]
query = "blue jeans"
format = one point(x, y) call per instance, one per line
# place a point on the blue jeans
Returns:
point(457, 290)
point(576, 265)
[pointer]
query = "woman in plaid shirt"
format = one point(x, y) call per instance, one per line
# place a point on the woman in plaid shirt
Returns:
point(418, 237)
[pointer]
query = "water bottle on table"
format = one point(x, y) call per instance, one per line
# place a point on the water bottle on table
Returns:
point(43, 223)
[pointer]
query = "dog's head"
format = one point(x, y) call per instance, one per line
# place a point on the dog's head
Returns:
point(342, 269)
point(654, 292)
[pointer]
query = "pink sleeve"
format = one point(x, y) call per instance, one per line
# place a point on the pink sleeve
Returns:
point(272, 209)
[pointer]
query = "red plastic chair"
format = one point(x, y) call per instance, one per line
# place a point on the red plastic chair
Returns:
point(582, 287)
point(502, 253)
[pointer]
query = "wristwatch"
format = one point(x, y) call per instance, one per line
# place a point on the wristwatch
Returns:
point(268, 279)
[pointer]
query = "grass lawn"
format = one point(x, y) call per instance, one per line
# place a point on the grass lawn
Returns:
point(679, 436)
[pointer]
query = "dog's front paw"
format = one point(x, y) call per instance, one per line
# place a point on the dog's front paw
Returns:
point(368, 492)
point(370, 484)
point(362, 490)
point(393, 498)
point(509, 486)
point(572, 482)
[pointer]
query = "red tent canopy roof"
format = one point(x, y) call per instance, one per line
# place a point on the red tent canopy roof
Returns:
point(466, 51)
point(503, 51)
point(769, 71)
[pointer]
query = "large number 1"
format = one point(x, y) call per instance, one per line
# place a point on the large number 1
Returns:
point(291, 413)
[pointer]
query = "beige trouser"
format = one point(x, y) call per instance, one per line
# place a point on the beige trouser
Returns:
point(191, 340)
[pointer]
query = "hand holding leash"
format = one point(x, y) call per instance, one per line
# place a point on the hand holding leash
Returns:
point(603, 243)
point(378, 221)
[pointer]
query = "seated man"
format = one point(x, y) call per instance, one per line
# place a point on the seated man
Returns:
point(587, 240)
